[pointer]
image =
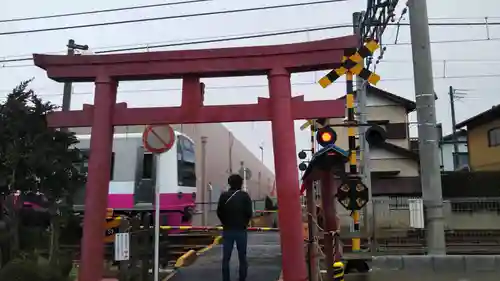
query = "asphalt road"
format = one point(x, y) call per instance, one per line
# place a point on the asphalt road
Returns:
point(264, 259)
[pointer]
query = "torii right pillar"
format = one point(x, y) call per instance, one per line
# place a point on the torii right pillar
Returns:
point(287, 177)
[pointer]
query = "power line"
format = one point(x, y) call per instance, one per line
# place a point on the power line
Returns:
point(149, 45)
point(241, 86)
point(169, 17)
point(239, 37)
point(203, 41)
point(465, 18)
point(225, 12)
point(102, 11)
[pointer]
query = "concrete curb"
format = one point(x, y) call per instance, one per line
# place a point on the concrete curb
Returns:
point(438, 264)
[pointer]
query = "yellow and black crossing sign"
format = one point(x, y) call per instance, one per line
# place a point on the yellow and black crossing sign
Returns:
point(352, 62)
point(318, 124)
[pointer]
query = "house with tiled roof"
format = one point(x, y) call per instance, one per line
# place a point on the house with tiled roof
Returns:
point(394, 166)
point(483, 140)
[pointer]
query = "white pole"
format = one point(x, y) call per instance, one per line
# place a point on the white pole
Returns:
point(244, 178)
point(157, 230)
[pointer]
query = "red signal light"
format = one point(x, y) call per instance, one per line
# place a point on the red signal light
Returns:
point(326, 136)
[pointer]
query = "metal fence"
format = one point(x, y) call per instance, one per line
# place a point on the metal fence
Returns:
point(393, 213)
point(472, 225)
point(473, 214)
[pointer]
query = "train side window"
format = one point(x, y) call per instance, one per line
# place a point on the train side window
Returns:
point(186, 170)
point(147, 166)
point(83, 166)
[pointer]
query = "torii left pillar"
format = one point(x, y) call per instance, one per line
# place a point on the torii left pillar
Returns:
point(287, 177)
point(96, 197)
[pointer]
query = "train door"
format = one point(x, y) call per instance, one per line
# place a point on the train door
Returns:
point(144, 192)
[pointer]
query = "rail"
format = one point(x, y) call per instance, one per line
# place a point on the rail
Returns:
point(219, 228)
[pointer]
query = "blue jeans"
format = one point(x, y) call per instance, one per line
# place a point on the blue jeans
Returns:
point(229, 238)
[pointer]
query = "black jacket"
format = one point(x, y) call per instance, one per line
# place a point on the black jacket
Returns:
point(234, 209)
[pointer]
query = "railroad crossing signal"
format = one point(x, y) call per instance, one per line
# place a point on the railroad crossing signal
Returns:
point(352, 194)
point(326, 136)
point(112, 228)
point(352, 62)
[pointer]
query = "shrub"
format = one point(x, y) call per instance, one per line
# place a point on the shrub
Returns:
point(29, 270)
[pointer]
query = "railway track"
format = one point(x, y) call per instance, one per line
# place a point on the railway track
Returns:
point(484, 242)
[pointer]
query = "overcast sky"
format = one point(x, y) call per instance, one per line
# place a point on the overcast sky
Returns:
point(473, 65)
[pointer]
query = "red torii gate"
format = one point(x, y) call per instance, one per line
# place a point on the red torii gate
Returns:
point(277, 62)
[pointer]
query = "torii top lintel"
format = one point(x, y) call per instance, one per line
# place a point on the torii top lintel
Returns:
point(222, 62)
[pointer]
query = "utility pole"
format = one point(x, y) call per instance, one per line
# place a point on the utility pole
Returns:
point(451, 93)
point(427, 130)
point(454, 96)
point(364, 148)
point(66, 102)
point(66, 106)
point(204, 184)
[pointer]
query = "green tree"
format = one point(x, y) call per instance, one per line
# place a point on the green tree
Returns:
point(37, 159)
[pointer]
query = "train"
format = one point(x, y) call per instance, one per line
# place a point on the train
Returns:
point(135, 172)
point(178, 172)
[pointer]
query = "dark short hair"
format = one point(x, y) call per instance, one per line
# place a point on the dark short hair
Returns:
point(235, 181)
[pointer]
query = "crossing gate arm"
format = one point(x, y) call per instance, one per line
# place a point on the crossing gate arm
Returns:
point(191, 256)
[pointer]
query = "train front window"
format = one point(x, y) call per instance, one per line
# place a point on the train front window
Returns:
point(186, 158)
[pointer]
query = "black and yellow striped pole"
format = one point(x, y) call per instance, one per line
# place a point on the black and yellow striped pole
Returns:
point(313, 128)
point(351, 133)
point(339, 271)
point(352, 64)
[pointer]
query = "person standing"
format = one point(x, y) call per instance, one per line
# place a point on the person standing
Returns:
point(234, 210)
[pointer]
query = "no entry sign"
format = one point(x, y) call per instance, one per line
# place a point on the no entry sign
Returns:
point(158, 138)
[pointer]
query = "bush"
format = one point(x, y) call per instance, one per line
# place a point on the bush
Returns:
point(29, 270)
